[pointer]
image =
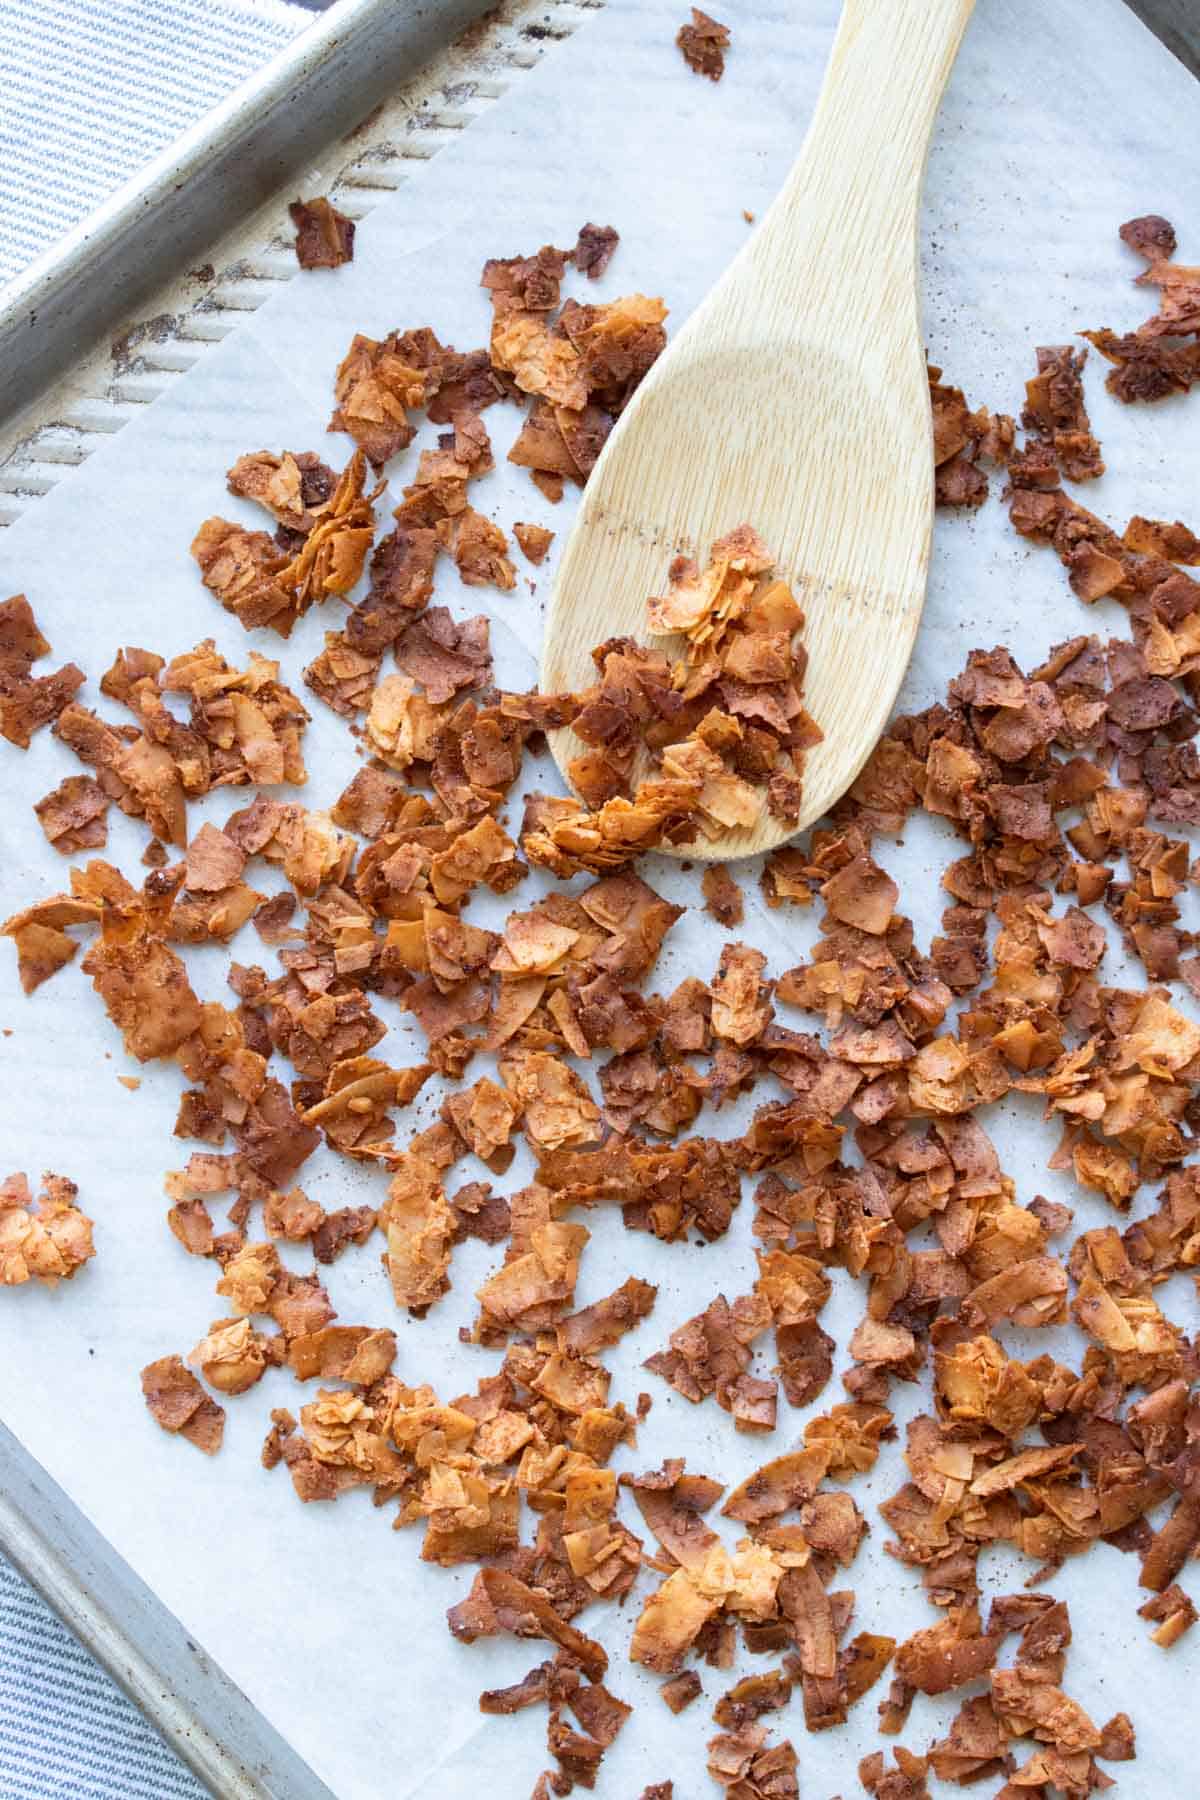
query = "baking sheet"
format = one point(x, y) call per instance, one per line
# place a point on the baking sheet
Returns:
point(1055, 129)
point(168, 215)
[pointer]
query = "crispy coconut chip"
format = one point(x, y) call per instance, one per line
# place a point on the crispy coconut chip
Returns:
point(419, 1228)
point(500, 1603)
point(961, 441)
point(143, 985)
point(74, 816)
point(704, 43)
point(534, 540)
point(232, 1356)
point(676, 1613)
point(907, 1781)
point(948, 1654)
point(46, 1240)
point(324, 236)
point(178, 1403)
point(242, 568)
point(478, 548)
point(1146, 367)
point(557, 1112)
point(594, 249)
point(779, 1485)
point(671, 1502)
point(294, 489)
point(710, 1355)
point(1055, 413)
point(535, 1283)
point(1176, 542)
point(740, 1004)
point(29, 701)
point(1173, 1613)
point(376, 385)
point(680, 1691)
point(728, 727)
point(444, 656)
point(606, 1321)
point(722, 895)
point(741, 1761)
point(39, 936)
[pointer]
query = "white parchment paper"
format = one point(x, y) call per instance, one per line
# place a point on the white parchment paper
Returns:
point(1060, 122)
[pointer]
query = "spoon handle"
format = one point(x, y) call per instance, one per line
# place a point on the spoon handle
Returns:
point(849, 206)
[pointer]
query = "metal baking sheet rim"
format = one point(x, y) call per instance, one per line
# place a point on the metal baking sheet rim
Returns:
point(190, 1701)
point(340, 67)
point(321, 85)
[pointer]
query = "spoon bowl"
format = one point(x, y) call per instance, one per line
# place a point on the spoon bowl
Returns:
point(794, 399)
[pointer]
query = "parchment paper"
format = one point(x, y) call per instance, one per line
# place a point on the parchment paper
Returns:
point(1060, 122)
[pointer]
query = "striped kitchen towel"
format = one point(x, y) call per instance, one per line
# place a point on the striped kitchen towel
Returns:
point(94, 88)
point(66, 1731)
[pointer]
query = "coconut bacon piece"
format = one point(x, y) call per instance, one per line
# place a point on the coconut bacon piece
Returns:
point(46, 1240)
point(744, 1765)
point(1146, 367)
point(606, 1321)
point(672, 1502)
point(704, 43)
point(179, 1404)
point(907, 1781)
point(28, 701)
point(500, 1603)
point(419, 1227)
point(324, 236)
point(74, 815)
point(594, 249)
point(1175, 542)
point(1056, 415)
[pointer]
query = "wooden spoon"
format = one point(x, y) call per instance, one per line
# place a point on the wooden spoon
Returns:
point(794, 399)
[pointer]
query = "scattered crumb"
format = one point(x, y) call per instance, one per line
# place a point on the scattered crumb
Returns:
point(722, 895)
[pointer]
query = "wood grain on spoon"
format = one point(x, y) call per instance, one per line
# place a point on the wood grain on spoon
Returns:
point(794, 399)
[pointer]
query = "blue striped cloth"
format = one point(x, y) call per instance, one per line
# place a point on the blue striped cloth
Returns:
point(66, 1731)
